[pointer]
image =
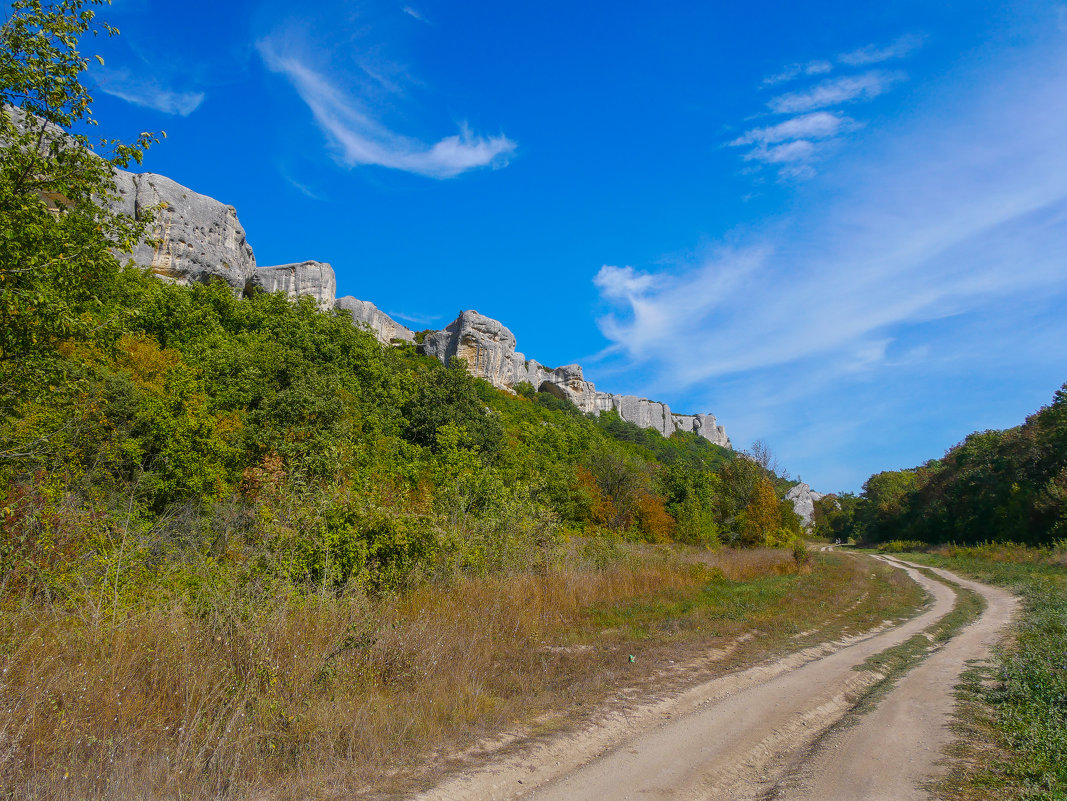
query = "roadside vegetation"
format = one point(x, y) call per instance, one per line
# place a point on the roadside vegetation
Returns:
point(993, 508)
point(1012, 722)
point(246, 549)
point(321, 695)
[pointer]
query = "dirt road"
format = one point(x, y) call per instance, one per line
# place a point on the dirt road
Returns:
point(765, 732)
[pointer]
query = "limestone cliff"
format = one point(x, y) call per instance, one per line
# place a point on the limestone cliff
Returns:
point(314, 278)
point(194, 238)
point(365, 313)
point(488, 348)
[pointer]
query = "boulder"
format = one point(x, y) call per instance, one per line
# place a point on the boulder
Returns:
point(803, 500)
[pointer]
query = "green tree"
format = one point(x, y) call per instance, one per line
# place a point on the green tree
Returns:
point(762, 517)
point(57, 233)
point(449, 398)
point(885, 499)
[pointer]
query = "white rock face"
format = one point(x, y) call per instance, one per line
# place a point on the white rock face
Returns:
point(804, 502)
point(488, 348)
point(195, 237)
point(365, 313)
point(484, 344)
point(313, 278)
point(653, 414)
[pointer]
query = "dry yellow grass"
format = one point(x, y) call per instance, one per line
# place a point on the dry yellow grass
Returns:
point(298, 697)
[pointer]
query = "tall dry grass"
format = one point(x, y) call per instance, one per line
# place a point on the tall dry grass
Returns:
point(297, 696)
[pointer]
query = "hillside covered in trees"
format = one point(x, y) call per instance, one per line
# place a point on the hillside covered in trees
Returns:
point(242, 541)
point(995, 486)
point(163, 425)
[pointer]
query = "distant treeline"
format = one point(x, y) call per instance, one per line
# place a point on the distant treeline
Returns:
point(995, 486)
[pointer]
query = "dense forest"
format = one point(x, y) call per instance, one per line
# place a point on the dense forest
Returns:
point(180, 431)
point(995, 486)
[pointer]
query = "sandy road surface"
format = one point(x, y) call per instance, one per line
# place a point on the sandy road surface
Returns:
point(758, 733)
point(895, 748)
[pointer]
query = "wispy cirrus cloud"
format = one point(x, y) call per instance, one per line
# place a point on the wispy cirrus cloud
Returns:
point(836, 92)
point(415, 14)
point(794, 71)
point(797, 150)
point(135, 89)
point(959, 216)
point(813, 128)
point(302, 188)
point(817, 125)
point(361, 139)
point(876, 54)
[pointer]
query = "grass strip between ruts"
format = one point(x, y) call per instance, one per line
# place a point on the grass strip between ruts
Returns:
point(1012, 719)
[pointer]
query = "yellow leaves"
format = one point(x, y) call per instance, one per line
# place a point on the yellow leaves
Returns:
point(763, 514)
point(147, 363)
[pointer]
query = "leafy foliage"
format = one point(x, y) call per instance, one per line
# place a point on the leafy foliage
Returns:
point(57, 270)
point(995, 486)
point(156, 437)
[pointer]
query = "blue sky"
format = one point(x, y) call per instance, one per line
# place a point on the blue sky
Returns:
point(840, 227)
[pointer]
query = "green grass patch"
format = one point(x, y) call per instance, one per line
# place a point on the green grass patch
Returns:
point(718, 600)
point(1017, 710)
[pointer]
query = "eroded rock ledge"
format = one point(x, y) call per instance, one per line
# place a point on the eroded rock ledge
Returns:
point(488, 348)
point(195, 238)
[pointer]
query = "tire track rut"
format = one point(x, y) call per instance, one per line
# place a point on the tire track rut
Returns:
point(765, 732)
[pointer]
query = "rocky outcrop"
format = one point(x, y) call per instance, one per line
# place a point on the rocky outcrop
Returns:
point(314, 278)
point(653, 414)
point(488, 348)
point(193, 238)
point(364, 313)
point(803, 500)
point(484, 344)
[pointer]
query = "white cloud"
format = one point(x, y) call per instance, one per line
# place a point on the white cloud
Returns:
point(797, 172)
point(303, 189)
point(816, 125)
point(146, 93)
point(623, 283)
point(411, 12)
point(794, 71)
point(872, 54)
point(794, 144)
point(836, 91)
point(798, 150)
point(362, 140)
point(963, 209)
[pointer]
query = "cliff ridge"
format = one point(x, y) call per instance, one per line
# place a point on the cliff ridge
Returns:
point(195, 238)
